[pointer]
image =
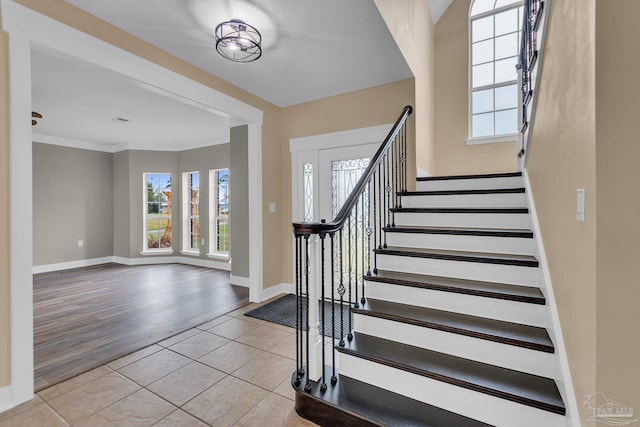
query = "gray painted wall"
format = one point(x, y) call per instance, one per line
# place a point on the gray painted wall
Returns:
point(239, 203)
point(72, 200)
point(121, 205)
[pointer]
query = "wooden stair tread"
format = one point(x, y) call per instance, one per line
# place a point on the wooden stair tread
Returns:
point(528, 294)
point(526, 336)
point(462, 231)
point(491, 211)
point(355, 403)
point(480, 257)
point(461, 192)
point(527, 389)
point(476, 176)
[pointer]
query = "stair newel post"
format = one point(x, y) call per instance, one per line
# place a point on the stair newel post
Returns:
point(349, 252)
point(299, 369)
point(313, 282)
point(323, 386)
point(334, 379)
point(355, 254)
point(341, 288)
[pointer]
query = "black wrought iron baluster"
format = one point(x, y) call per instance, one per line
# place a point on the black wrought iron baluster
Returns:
point(404, 161)
point(307, 386)
point(387, 189)
point(355, 254)
point(362, 242)
point(334, 379)
point(375, 230)
point(323, 386)
point(396, 168)
point(349, 249)
point(380, 203)
point(341, 288)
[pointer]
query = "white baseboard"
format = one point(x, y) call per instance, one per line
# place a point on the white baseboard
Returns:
point(45, 268)
point(199, 262)
point(148, 260)
point(240, 281)
point(564, 378)
point(6, 399)
point(282, 288)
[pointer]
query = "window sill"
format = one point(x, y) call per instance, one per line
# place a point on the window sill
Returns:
point(151, 252)
point(512, 137)
point(190, 253)
point(219, 256)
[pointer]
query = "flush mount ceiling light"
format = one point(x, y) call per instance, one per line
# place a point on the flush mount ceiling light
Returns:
point(238, 41)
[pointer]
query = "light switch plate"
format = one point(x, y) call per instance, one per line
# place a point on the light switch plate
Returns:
point(272, 207)
point(580, 204)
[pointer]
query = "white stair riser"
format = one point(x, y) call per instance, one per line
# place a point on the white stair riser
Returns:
point(470, 184)
point(491, 308)
point(473, 220)
point(454, 242)
point(472, 404)
point(507, 200)
point(492, 353)
point(509, 274)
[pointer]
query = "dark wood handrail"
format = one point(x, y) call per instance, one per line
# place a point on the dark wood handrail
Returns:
point(322, 228)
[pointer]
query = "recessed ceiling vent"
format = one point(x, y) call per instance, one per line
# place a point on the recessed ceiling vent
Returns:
point(120, 120)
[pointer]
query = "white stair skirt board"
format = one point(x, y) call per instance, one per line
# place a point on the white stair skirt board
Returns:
point(465, 243)
point(472, 220)
point(470, 184)
point(489, 352)
point(472, 404)
point(472, 305)
point(508, 274)
point(506, 200)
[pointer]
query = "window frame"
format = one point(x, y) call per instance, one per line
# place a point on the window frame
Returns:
point(495, 138)
point(213, 215)
point(187, 249)
point(146, 250)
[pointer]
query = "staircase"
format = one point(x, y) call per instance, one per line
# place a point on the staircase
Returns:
point(451, 329)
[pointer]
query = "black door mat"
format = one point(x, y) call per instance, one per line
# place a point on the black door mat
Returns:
point(283, 312)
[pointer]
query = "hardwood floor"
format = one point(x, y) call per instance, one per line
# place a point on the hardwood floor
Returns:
point(84, 318)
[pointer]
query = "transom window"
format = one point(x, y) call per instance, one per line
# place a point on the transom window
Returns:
point(191, 211)
point(494, 41)
point(157, 201)
point(219, 208)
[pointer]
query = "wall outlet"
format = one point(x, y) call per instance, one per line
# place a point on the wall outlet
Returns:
point(80, 243)
point(201, 242)
point(580, 205)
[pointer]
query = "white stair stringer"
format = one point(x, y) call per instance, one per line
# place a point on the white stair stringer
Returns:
point(508, 274)
point(472, 305)
point(464, 243)
point(469, 220)
point(499, 200)
point(470, 184)
point(485, 351)
point(480, 406)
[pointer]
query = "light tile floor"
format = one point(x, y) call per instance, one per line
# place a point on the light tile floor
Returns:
point(231, 371)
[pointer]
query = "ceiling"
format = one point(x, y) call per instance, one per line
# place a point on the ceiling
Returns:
point(311, 49)
point(310, 52)
point(81, 104)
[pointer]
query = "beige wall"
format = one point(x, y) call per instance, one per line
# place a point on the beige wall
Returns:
point(618, 205)
point(411, 26)
point(363, 108)
point(5, 337)
point(451, 61)
point(561, 160)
